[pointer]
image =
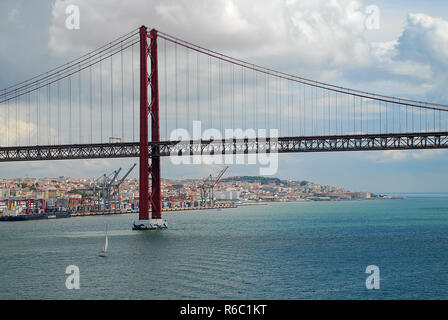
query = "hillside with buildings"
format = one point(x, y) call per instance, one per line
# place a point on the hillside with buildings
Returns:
point(86, 194)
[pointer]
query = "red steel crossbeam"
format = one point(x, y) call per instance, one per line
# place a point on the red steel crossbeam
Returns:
point(153, 109)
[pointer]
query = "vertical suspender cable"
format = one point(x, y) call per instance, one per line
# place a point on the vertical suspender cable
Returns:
point(16, 140)
point(265, 102)
point(80, 104)
point(313, 104)
point(288, 106)
point(367, 116)
point(421, 127)
point(165, 89)
point(387, 120)
point(7, 126)
point(28, 117)
point(233, 95)
point(198, 86)
point(434, 120)
point(91, 104)
point(406, 117)
point(292, 109)
point(329, 112)
point(209, 93)
point(280, 108)
point(266, 119)
point(354, 114)
point(70, 109)
point(336, 101)
point(304, 110)
point(220, 95)
point(323, 111)
point(122, 96)
point(175, 84)
point(379, 109)
point(276, 102)
point(360, 101)
point(112, 95)
point(341, 103)
point(244, 99)
point(133, 91)
point(256, 100)
point(187, 84)
point(341, 114)
point(48, 111)
point(5, 142)
point(38, 116)
point(393, 119)
point(101, 101)
point(299, 111)
point(59, 110)
point(317, 110)
point(210, 112)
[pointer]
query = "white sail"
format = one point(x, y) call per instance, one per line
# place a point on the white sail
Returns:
point(106, 242)
point(105, 245)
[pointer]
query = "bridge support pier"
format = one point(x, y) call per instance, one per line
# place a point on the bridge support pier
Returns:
point(151, 109)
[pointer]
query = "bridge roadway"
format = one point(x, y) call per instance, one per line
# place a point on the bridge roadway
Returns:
point(360, 142)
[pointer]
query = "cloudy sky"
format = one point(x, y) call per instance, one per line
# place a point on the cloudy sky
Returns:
point(324, 40)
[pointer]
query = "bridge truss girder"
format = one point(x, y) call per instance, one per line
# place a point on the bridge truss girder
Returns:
point(368, 142)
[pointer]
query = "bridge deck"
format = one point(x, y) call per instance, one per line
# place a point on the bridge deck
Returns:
point(364, 142)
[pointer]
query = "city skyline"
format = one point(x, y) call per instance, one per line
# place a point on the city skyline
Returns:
point(177, 192)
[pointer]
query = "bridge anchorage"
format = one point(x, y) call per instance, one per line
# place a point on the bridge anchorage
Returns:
point(151, 108)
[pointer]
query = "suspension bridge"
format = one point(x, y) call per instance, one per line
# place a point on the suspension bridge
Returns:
point(130, 97)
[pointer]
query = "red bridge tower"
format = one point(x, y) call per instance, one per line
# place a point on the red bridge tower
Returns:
point(152, 109)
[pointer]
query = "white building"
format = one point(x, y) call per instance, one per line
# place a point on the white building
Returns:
point(227, 195)
point(5, 193)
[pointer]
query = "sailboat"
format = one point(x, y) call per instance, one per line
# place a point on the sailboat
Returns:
point(103, 252)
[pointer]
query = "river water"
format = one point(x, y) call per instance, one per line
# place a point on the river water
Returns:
point(312, 250)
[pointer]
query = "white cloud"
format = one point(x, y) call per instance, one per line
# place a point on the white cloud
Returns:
point(317, 32)
point(388, 156)
point(404, 155)
point(424, 39)
point(415, 62)
point(428, 154)
point(325, 40)
point(16, 132)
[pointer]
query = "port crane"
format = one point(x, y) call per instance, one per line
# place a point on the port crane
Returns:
point(101, 189)
point(208, 186)
point(96, 194)
point(105, 189)
point(108, 187)
point(116, 187)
